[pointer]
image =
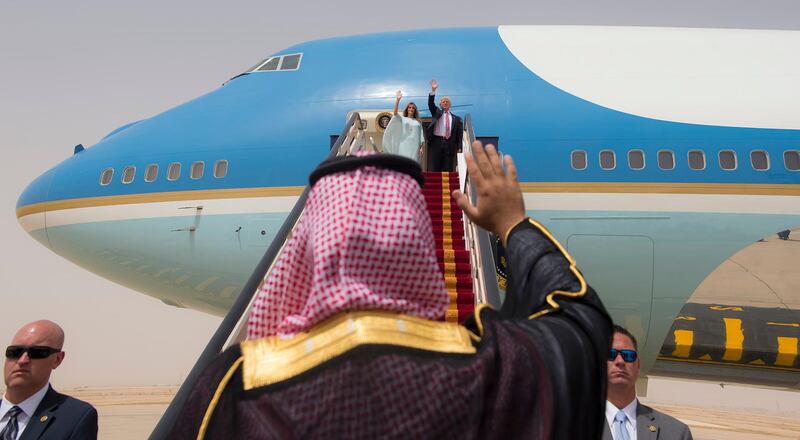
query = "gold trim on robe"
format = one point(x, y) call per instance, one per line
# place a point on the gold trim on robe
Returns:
point(274, 359)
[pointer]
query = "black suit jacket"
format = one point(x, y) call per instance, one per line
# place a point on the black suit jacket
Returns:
point(456, 130)
point(61, 417)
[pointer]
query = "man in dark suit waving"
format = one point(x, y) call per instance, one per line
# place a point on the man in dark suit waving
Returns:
point(626, 417)
point(444, 134)
point(31, 409)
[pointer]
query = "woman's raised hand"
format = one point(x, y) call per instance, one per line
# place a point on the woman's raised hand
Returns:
point(399, 95)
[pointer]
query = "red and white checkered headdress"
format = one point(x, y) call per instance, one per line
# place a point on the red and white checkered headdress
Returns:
point(364, 242)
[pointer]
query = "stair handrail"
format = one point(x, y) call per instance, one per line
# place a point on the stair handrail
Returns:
point(240, 308)
point(484, 272)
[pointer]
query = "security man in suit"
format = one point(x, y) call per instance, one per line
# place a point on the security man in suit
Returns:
point(627, 418)
point(31, 409)
point(444, 134)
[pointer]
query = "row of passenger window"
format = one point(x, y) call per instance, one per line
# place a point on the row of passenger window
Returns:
point(173, 172)
point(759, 160)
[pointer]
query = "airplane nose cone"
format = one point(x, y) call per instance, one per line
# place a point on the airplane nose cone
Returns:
point(31, 207)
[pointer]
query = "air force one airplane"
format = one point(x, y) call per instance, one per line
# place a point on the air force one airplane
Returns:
point(653, 154)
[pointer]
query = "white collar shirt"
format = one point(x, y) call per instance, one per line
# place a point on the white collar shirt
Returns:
point(28, 407)
point(630, 412)
point(441, 125)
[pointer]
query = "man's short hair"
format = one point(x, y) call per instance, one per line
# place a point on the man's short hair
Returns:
point(624, 331)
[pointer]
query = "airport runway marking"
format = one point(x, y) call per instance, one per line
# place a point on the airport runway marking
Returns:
point(787, 351)
point(735, 335)
point(683, 343)
point(794, 324)
point(734, 340)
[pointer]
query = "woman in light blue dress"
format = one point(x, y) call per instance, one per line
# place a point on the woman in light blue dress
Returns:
point(404, 134)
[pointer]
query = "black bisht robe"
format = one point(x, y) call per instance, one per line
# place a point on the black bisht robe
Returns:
point(538, 371)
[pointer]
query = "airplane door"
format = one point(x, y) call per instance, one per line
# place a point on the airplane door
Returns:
point(619, 267)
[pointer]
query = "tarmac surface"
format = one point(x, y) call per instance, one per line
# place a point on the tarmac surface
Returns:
point(127, 413)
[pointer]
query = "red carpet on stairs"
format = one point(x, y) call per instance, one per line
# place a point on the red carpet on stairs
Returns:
point(451, 252)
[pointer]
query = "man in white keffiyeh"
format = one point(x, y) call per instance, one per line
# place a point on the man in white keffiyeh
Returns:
point(364, 242)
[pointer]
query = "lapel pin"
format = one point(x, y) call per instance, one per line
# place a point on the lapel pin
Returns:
point(652, 428)
point(43, 419)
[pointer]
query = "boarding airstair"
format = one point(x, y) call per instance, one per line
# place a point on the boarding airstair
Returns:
point(451, 251)
point(464, 253)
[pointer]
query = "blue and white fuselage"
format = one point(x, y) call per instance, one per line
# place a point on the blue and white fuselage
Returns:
point(646, 234)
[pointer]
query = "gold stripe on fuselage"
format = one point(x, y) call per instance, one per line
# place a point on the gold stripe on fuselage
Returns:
point(173, 196)
point(527, 187)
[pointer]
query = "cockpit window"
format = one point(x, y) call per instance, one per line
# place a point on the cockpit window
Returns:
point(283, 62)
point(291, 62)
point(271, 64)
point(258, 64)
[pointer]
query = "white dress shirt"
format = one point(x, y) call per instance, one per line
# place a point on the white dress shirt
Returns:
point(28, 406)
point(630, 412)
point(441, 125)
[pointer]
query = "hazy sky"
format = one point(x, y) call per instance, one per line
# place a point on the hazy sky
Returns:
point(70, 72)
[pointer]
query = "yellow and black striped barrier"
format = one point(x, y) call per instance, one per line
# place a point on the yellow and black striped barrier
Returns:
point(736, 335)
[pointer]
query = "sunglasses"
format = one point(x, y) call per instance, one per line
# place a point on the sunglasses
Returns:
point(627, 355)
point(34, 352)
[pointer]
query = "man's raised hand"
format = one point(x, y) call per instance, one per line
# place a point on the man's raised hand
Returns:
point(434, 85)
point(499, 203)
